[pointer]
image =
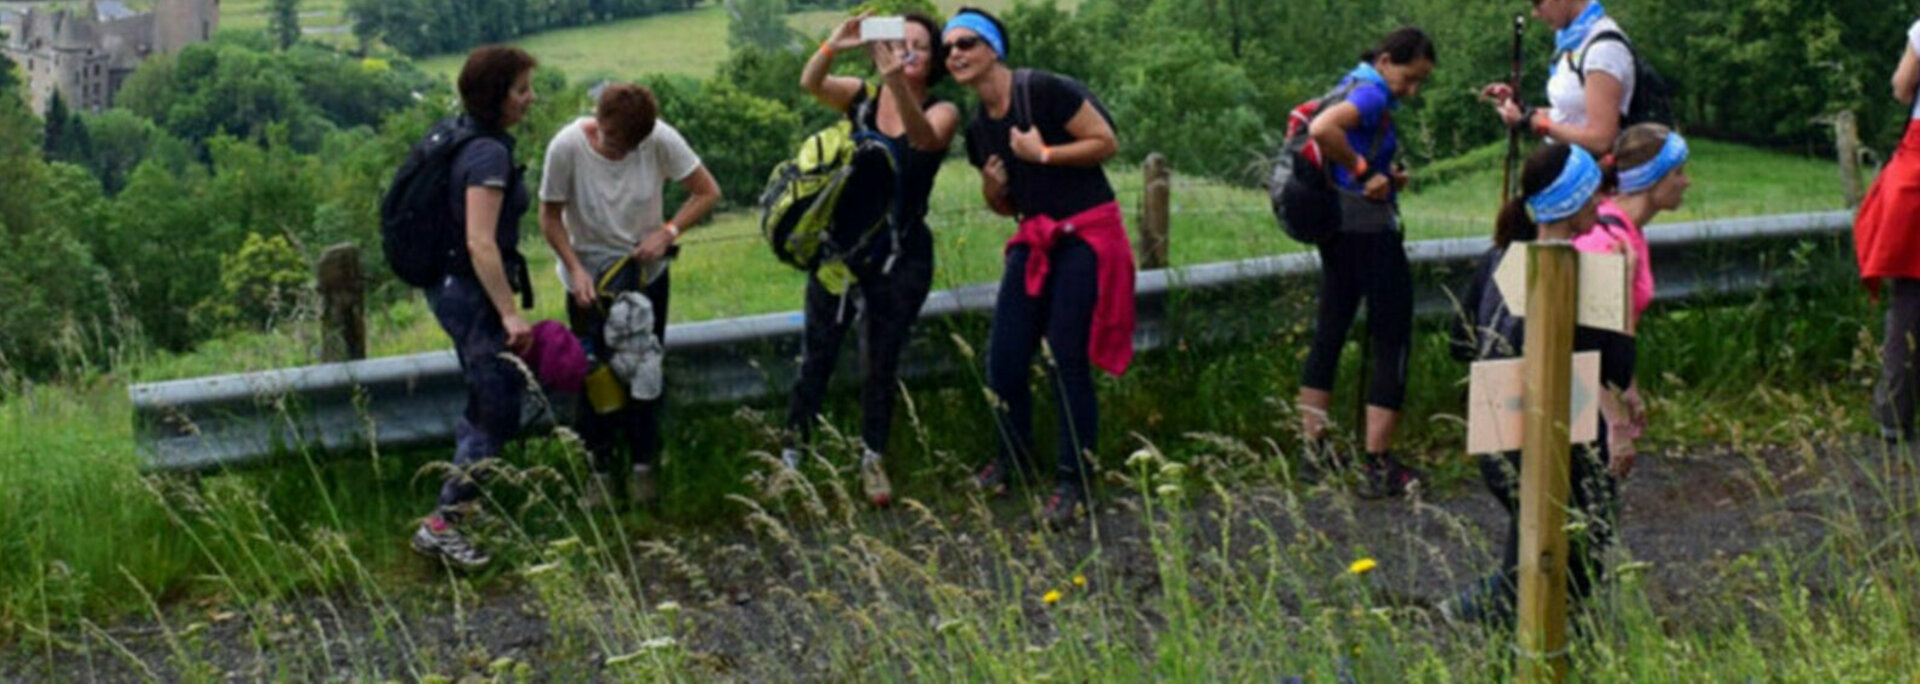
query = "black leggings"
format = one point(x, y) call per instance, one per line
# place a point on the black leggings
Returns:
point(1063, 316)
point(1373, 267)
point(887, 306)
point(1595, 503)
point(1894, 395)
point(638, 420)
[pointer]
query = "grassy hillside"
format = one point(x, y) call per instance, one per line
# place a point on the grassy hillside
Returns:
point(81, 532)
point(322, 20)
point(686, 43)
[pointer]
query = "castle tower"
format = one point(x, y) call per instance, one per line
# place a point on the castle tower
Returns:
point(178, 23)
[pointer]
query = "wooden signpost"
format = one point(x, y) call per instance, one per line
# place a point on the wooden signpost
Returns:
point(1557, 288)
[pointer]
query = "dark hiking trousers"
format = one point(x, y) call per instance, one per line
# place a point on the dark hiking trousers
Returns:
point(1062, 316)
point(496, 385)
point(884, 307)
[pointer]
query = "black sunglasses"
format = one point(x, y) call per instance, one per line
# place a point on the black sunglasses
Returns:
point(963, 43)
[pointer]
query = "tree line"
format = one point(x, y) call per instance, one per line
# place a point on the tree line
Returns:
point(192, 208)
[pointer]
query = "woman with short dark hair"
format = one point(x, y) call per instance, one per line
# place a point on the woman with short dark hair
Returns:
point(474, 303)
point(603, 212)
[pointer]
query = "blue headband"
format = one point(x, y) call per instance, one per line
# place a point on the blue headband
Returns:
point(1644, 176)
point(1569, 193)
point(979, 24)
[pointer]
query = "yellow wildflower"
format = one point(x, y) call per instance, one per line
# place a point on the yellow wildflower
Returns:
point(1080, 581)
point(1362, 566)
point(1051, 597)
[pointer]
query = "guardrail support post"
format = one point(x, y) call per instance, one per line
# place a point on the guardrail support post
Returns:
point(343, 309)
point(1846, 135)
point(1155, 213)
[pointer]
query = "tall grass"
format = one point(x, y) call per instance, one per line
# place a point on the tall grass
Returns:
point(88, 539)
point(1209, 561)
point(311, 552)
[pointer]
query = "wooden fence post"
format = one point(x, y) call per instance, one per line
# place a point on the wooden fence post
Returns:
point(1155, 217)
point(1544, 469)
point(1846, 135)
point(343, 308)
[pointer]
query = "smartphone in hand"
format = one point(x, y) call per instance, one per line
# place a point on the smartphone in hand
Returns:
point(878, 29)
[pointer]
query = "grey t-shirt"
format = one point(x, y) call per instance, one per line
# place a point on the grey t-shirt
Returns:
point(612, 205)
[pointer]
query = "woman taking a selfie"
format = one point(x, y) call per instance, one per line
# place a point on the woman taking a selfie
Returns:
point(921, 126)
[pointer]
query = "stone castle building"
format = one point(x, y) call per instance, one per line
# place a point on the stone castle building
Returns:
point(85, 54)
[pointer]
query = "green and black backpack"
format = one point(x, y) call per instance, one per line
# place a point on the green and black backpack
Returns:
point(836, 202)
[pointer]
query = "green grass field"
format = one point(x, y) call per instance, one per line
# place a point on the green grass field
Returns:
point(690, 43)
point(322, 20)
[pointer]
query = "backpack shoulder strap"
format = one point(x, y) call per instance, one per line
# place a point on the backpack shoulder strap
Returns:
point(1580, 59)
point(1340, 94)
point(1023, 96)
point(868, 99)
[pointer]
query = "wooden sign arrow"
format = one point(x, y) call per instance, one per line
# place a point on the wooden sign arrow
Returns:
point(1604, 287)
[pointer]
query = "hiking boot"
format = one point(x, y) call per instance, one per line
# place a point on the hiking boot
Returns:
point(1384, 477)
point(1321, 461)
point(1473, 605)
point(437, 539)
point(1063, 508)
point(873, 479)
point(642, 487)
point(994, 479)
point(599, 492)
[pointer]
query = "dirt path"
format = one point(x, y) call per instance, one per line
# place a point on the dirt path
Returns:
point(749, 603)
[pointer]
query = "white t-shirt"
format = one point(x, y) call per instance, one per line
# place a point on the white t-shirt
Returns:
point(1913, 43)
point(1564, 90)
point(612, 205)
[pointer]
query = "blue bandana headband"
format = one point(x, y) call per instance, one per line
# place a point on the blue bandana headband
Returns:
point(1366, 72)
point(981, 25)
point(1569, 193)
point(1645, 176)
point(1569, 39)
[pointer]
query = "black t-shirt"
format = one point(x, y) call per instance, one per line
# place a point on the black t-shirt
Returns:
point(488, 162)
point(920, 168)
point(1056, 191)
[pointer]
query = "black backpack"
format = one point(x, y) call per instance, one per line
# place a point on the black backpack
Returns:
point(1652, 95)
point(422, 240)
point(1299, 187)
point(839, 199)
point(1485, 328)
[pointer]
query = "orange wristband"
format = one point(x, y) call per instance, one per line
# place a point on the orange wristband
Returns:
point(826, 48)
point(1541, 121)
point(1046, 155)
point(1359, 168)
point(673, 230)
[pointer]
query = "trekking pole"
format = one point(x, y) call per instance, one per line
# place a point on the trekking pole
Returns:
point(1513, 134)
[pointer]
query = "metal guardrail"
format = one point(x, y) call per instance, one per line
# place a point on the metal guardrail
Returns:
point(414, 400)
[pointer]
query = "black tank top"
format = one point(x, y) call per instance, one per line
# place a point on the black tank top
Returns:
point(919, 169)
